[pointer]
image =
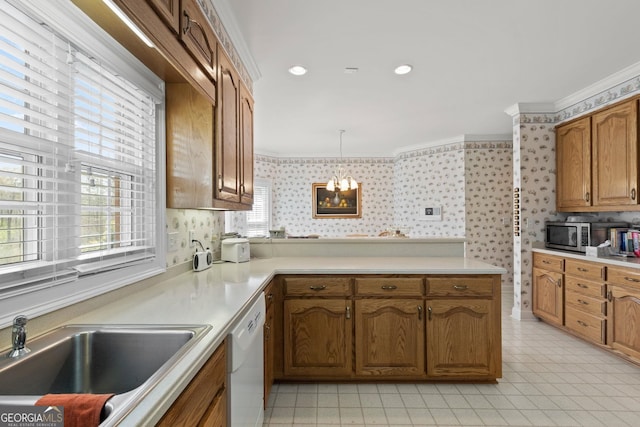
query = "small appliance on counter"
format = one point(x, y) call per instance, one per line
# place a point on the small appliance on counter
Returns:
point(576, 233)
point(235, 250)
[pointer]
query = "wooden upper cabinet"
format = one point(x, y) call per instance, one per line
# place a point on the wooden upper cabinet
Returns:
point(246, 146)
point(615, 155)
point(198, 37)
point(573, 151)
point(169, 11)
point(228, 150)
point(189, 147)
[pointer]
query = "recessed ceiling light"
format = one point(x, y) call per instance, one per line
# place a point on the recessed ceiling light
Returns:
point(298, 70)
point(403, 69)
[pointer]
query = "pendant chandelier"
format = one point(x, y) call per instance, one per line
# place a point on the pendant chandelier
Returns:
point(341, 181)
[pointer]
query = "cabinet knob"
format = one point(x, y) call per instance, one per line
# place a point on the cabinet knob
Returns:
point(270, 297)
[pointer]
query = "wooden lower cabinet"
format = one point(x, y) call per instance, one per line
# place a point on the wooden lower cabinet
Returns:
point(204, 402)
point(318, 338)
point(624, 320)
point(389, 337)
point(548, 301)
point(461, 339)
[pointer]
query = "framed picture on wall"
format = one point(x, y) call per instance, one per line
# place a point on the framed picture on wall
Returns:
point(336, 204)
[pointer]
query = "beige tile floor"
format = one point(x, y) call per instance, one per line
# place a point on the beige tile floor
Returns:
point(549, 379)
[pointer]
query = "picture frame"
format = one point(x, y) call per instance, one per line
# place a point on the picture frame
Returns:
point(336, 204)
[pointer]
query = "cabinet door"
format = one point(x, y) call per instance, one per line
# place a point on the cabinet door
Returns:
point(547, 296)
point(573, 151)
point(169, 11)
point(461, 338)
point(227, 162)
point(198, 37)
point(246, 145)
point(389, 336)
point(615, 154)
point(190, 182)
point(318, 338)
point(623, 332)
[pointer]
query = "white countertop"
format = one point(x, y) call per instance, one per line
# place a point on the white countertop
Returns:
point(220, 295)
point(629, 261)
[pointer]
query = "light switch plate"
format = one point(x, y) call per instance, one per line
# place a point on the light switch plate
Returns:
point(172, 242)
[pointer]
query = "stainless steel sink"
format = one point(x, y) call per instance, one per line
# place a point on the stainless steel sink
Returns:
point(127, 360)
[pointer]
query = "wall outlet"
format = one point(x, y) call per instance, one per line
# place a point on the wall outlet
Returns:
point(172, 241)
point(192, 237)
point(431, 213)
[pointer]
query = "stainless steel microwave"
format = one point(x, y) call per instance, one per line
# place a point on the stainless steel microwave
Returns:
point(576, 236)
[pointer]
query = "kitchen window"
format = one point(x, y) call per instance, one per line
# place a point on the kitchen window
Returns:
point(81, 195)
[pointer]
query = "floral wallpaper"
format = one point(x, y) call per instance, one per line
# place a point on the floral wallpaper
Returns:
point(292, 183)
point(489, 204)
point(432, 177)
point(535, 175)
point(207, 225)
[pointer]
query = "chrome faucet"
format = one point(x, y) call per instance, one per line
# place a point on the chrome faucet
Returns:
point(19, 337)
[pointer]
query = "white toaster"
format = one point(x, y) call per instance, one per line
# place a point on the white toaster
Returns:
point(235, 250)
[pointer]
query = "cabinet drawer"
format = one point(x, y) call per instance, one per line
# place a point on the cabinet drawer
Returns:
point(591, 327)
point(548, 262)
point(389, 286)
point(584, 287)
point(629, 277)
point(460, 286)
point(594, 306)
point(588, 270)
point(317, 286)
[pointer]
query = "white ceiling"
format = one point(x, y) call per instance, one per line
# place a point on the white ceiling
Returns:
point(472, 59)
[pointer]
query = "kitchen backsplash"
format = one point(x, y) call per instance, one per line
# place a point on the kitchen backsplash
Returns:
point(207, 226)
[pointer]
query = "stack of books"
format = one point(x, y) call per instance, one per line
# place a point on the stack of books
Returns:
point(625, 241)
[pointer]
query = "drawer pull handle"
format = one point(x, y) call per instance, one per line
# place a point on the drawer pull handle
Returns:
point(587, 197)
point(559, 283)
point(429, 312)
point(583, 302)
point(633, 194)
point(581, 323)
point(318, 288)
point(348, 315)
point(632, 279)
point(609, 296)
point(584, 270)
point(544, 261)
point(389, 287)
point(460, 287)
point(270, 297)
point(419, 312)
point(580, 285)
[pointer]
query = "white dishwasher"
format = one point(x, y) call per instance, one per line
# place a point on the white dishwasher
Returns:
point(246, 370)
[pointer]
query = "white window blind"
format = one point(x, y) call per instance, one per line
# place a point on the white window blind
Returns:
point(259, 217)
point(77, 161)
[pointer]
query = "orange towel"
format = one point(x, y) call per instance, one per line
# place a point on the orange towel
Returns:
point(80, 410)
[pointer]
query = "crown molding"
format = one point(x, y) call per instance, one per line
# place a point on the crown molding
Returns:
point(615, 79)
point(230, 25)
point(530, 108)
point(454, 140)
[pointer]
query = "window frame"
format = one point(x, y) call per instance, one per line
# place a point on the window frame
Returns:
point(69, 21)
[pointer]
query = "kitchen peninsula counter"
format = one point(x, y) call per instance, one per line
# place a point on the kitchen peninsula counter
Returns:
point(220, 295)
